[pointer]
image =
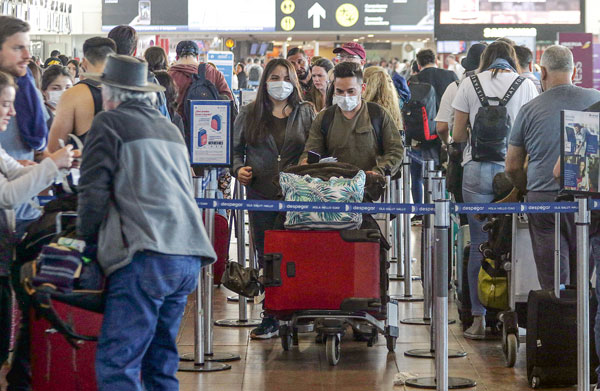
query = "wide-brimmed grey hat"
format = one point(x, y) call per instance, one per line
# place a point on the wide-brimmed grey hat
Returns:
point(126, 72)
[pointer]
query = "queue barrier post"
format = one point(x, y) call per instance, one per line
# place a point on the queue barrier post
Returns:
point(197, 361)
point(404, 237)
point(582, 222)
point(441, 381)
point(436, 191)
point(240, 229)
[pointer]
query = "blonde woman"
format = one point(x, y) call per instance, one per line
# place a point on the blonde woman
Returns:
point(380, 89)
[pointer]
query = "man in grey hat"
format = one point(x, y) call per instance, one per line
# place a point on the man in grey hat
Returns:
point(136, 202)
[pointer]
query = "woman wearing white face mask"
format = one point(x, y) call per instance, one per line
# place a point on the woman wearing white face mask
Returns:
point(269, 136)
point(55, 81)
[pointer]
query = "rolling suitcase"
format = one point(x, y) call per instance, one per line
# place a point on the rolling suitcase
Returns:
point(221, 246)
point(322, 270)
point(55, 364)
point(551, 342)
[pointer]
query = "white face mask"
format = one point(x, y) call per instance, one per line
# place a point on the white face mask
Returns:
point(280, 90)
point(346, 103)
point(54, 97)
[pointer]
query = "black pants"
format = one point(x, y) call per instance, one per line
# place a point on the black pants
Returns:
point(5, 318)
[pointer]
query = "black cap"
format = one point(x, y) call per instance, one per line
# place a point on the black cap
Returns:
point(187, 47)
point(471, 62)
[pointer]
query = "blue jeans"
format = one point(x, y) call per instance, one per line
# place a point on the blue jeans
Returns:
point(144, 305)
point(477, 187)
point(416, 169)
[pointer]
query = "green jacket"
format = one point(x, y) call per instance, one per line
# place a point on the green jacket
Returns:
point(353, 141)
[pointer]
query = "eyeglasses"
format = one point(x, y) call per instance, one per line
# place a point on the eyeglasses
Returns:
point(346, 57)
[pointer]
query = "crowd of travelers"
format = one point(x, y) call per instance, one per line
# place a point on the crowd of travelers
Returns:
point(119, 117)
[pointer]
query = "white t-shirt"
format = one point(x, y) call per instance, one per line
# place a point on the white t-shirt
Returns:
point(466, 99)
point(446, 111)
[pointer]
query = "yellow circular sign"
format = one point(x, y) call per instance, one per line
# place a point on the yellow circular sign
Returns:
point(288, 23)
point(229, 43)
point(347, 15)
point(288, 6)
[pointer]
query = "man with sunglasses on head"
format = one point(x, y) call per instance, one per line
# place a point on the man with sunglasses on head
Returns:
point(352, 52)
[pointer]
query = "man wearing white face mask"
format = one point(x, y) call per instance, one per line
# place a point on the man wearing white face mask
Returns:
point(55, 81)
point(353, 131)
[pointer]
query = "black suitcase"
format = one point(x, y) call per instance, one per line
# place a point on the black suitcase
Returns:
point(552, 338)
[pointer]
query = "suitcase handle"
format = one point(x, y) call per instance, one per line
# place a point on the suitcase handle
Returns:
point(272, 270)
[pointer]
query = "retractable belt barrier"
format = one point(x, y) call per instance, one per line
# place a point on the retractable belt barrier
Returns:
point(376, 208)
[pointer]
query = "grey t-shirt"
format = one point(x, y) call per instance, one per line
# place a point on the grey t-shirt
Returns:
point(537, 129)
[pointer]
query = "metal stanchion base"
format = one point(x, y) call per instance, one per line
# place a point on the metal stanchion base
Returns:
point(233, 299)
point(215, 357)
point(187, 366)
point(396, 277)
point(238, 323)
point(430, 382)
point(428, 353)
point(405, 298)
point(422, 322)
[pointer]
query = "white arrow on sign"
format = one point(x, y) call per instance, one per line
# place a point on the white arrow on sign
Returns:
point(317, 12)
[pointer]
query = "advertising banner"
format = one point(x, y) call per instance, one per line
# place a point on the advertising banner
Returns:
point(224, 62)
point(597, 66)
point(210, 138)
point(581, 44)
point(580, 163)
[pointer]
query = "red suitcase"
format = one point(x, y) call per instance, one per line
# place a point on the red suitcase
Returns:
point(56, 365)
point(221, 247)
point(321, 270)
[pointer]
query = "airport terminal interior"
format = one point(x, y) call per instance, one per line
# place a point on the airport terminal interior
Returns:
point(299, 195)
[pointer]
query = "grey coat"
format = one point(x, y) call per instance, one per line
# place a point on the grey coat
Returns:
point(135, 190)
point(265, 160)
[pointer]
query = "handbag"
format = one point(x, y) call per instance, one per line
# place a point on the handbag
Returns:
point(241, 280)
point(493, 285)
point(454, 173)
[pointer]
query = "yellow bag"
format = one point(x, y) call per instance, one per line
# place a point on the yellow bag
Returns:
point(493, 285)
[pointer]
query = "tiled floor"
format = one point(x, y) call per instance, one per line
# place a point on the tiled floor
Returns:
point(265, 366)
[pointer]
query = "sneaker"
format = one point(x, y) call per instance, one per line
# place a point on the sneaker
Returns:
point(477, 329)
point(269, 328)
point(416, 220)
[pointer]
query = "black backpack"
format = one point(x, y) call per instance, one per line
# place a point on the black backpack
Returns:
point(254, 73)
point(492, 125)
point(200, 89)
point(375, 113)
point(419, 112)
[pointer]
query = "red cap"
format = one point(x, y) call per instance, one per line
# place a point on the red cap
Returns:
point(353, 48)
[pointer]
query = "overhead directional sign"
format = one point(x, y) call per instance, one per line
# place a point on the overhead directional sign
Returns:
point(316, 12)
point(354, 15)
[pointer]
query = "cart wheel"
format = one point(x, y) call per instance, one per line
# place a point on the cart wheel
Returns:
point(286, 337)
point(391, 343)
point(535, 382)
point(512, 346)
point(332, 349)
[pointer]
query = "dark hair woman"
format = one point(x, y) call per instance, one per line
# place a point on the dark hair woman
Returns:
point(156, 58)
point(73, 67)
point(55, 81)
point(171, 93)
point(269, 136)
point(320, 77)
point(498, 71)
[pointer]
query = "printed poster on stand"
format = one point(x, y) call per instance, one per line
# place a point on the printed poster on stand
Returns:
point(211, 137)
point(580, 163)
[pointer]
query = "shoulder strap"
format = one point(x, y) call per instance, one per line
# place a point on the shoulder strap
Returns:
point(327, 120)
point(376, 115)
point(202, 72)
point(479, 91)
point(511, 90)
